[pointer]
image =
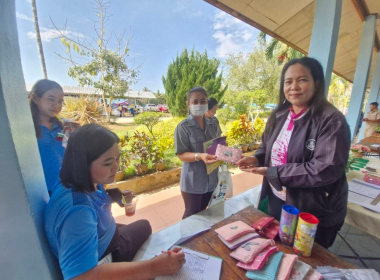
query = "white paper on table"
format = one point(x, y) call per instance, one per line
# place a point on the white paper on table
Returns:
point(197, 267)
point(187, 237)
point(363, 201)
point(363, 189)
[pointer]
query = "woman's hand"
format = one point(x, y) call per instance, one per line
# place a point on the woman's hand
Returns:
point(207, 158)
point(169, 264)
point(128, 193)
point(255, 170)
point(246, 162)
point(250, 164)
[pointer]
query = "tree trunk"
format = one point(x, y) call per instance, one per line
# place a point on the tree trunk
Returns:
point(38, 37)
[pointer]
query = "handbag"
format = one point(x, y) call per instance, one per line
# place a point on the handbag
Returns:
point(260, 259)
point(232, 245)
point(267, 227)
point(249, 250)
point(286, 265)
point(269, 271)
point(228, 154)
point(234, 230)
point(299, 270)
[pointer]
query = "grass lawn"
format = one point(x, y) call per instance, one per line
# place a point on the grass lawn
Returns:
point(121, 129)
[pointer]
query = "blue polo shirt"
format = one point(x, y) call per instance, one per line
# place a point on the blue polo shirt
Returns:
point(51, 152)
point(79, 227)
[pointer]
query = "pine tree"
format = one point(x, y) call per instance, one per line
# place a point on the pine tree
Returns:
point(188, 70)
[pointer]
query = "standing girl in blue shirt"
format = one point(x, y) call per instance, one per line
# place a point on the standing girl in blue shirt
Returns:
point(46, 101)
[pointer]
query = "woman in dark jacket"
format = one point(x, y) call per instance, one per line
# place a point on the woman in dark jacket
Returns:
point(304, 151)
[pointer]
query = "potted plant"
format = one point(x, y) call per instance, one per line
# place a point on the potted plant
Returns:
point(141, 151)
point(240, 132)
point(259, 127)
point(124, 158)
point(158, 154)
point(358, 151)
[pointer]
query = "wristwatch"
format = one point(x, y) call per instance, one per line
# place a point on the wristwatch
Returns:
point(196, 157)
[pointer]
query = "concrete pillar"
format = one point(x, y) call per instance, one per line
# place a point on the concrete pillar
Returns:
point(374, 92)
point(363, 67)
point(24, 252)
point(325, 35)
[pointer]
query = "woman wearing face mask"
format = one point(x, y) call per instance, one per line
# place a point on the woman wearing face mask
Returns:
point(189, 136)
point(210, 114)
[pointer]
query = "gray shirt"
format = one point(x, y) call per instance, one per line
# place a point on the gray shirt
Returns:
point(189, 137)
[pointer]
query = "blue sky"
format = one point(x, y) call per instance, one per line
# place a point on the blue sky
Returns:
point(159, 29)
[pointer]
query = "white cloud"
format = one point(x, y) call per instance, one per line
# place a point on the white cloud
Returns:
point(231, 35)
point(23, 16)
point(48, 34)
point(193, 15)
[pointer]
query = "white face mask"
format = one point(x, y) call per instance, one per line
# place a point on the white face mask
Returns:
point(198, 110)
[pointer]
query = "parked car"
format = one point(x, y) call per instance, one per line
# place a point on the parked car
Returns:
point(151, 107)
point(163, 108)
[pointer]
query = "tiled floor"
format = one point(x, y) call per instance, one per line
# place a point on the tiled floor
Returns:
point(365, 246)
point(165, 207)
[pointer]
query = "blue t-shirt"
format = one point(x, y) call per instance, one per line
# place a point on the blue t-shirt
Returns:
point(79, 227)
point(51, 152)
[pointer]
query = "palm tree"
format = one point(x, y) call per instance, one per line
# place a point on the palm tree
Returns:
point(274, 48)
point(38, 36)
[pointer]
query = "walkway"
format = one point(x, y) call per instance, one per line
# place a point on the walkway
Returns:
point(165, 207)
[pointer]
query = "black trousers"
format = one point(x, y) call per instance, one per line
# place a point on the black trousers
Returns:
point(325, 236)
point(127, 240)
point(195, 203)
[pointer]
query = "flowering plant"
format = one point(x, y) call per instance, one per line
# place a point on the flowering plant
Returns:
point(360, 149)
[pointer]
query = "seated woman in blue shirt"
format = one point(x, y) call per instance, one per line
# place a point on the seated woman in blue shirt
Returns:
point(78, 219)
point(46, 101)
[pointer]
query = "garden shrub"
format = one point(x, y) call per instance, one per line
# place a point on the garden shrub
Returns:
point(265, 115)
point(226, 115)
point(149, 120)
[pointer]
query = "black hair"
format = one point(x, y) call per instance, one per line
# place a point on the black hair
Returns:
point(196, 89)
point(212, 102)
point(375, 103)
point(85, 145)
point(317, 103)
point(39, 89)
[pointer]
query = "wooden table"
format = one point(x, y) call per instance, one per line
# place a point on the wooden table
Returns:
point(374, 139)
point(210, 243)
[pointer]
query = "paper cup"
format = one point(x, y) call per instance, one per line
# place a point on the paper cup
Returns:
point(305, 234)
point(130, 206)
point(288, 224)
